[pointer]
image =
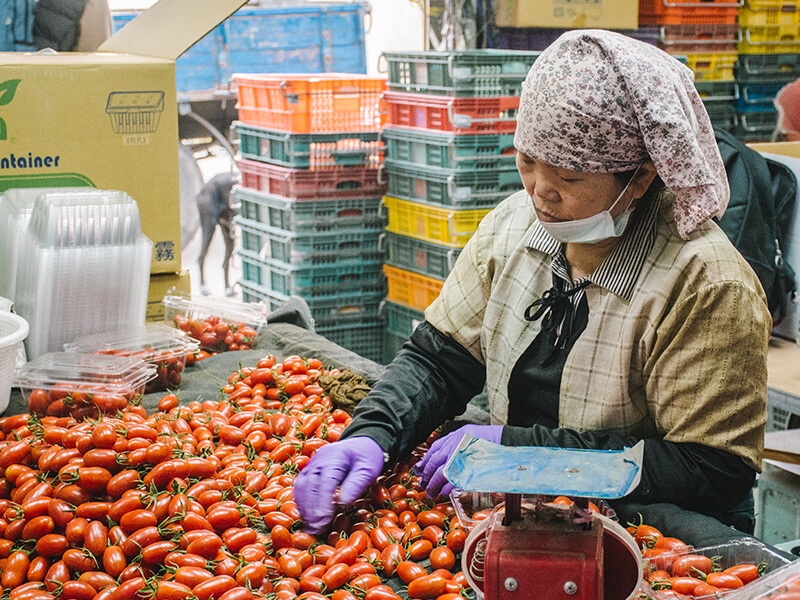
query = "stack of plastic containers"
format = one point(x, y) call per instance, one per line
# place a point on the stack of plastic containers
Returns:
point(310, 197)
point(704, 36)
point(83, 267)
point(769, 58)
point(450, 159)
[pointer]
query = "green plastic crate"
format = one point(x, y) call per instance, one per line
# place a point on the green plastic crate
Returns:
point(445, 187)
point(309, 215)
point(308, 151)
point(364, 338)
point(755, 126)
point(477, 73)
point(448, 150)
point(333, 305)
point(316, 281)
point(765, 68)
point(306, 249)
point(420, 256)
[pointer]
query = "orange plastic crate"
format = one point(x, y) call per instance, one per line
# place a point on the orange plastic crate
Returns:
point(677, 12)
point(446, 113)
point(318, 103)
point(411, 289)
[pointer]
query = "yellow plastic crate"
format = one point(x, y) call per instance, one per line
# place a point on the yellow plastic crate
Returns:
point(411, 289)
point(712, 66)
point(772, 39)
point(450, 227)
point(768, 16)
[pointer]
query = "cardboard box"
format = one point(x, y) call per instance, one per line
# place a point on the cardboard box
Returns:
point(569, 14)
point(160, 286)
point(788, 153)
point(108, 119)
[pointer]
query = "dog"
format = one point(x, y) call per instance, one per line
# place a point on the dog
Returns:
point(215, 207)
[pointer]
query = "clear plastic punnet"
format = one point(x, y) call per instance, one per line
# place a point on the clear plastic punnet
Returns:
point(747, 551)
point(164, 347)
point(83, 267)
point(218, 324)
point(82, 385)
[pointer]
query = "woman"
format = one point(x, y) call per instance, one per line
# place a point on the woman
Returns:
point(601, 305)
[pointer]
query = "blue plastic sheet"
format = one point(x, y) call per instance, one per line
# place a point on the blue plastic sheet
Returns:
point(481, 466)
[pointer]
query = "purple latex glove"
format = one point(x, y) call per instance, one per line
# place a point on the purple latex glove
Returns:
point(431, 467)
point(348, 465)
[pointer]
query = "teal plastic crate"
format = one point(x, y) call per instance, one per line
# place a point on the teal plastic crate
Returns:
point(401, 320)
point(308, 151)
point(448, 150)
point(306, 249)
point(392, 344)
point(755, 126)
point(344, 303)
point(778, 517)
point(309, 216)
point(315, 281)
point(444, 187)
point(476, 73)
point(420, 256)
point(767, 68)
point(365, 338)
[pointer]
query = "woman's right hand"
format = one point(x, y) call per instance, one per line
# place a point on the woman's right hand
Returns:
point(349, 465)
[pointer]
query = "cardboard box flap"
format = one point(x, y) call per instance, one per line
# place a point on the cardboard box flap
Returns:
point(170, 27)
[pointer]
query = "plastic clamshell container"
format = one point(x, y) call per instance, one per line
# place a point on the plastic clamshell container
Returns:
point(199, 316)
point(780, 584)
point(746, 550)
point(157, 344)
point(81, 384)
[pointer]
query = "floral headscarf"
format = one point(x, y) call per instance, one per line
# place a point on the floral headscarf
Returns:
point(601, 102)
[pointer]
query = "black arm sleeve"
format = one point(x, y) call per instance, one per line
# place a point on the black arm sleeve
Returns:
point(690, 475)
point(430, 381)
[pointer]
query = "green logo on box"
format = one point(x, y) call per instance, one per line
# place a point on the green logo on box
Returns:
point(7, 91)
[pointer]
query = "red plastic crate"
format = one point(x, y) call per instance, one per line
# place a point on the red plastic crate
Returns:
point(677, 12)
point(311, 103)
point(304, 184)
point(446, 113)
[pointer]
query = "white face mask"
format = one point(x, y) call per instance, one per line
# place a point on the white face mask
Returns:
point(596, 228)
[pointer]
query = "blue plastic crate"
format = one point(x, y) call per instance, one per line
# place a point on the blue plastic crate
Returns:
point(420, 256)
point(313, 38)
point(316, 281)
point(446, 187)
point(325, 248)
point(309, 216)
point(756, 97)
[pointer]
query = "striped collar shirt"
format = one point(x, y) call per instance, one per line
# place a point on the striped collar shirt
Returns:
point(619, 271)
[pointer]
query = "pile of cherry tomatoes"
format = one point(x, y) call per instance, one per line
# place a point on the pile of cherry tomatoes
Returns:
point(195, 502)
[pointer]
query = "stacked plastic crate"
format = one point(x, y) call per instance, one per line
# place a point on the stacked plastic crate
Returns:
point(769, 58)
point(449, 160)
point(310, 196)
point(705, 36)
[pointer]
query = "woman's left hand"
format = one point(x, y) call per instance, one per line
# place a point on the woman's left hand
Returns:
point(431, 467)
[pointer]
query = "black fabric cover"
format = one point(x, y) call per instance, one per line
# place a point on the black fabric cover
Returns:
point(758, 216)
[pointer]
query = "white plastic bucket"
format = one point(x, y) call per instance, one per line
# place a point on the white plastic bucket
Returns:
point(13, 329)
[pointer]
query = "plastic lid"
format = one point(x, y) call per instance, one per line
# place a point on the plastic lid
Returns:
point(85, 218)
point(152, 341)
point(93, 372)
point(252, 313)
